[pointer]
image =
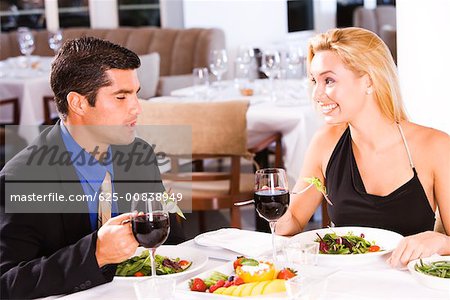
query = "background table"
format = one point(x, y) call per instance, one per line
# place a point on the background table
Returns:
point(29, 86)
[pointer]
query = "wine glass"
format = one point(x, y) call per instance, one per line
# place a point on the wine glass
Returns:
point(25, 39)
point(150, 225)
point(271, 198)
point(295, 61)
point(218, 63)
point(55, 40)
point(271, 66)
point(243, 66)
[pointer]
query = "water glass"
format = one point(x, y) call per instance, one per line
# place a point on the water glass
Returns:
point(301, 253)
point(201, 82)
point(155, 288)
point(303, 287)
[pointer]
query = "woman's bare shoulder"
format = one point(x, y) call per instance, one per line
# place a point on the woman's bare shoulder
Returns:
point(330, 134)
point(427, 139)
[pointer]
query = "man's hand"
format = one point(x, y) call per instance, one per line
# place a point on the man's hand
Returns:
point(418, 246)
point(115, 241)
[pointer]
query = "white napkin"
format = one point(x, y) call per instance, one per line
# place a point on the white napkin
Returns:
point(245, 242)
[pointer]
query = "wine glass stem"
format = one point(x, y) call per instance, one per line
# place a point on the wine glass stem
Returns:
point(272, 88)
point(274, 248)
point(152, 261)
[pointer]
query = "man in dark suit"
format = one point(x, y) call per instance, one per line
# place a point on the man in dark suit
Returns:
point(53, 240)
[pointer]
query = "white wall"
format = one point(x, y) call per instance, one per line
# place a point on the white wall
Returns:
point(103, 13)
point(253, 22)
point(171, 12)
point(424, 60)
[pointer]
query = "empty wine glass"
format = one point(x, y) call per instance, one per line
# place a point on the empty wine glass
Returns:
point(55, 40)
point(295, 61)
point(271, 66)
point(243, 66)
point(25, 39)
point(218, 63)
point(271, 198)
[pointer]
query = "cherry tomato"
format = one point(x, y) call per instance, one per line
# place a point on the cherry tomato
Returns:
point(139, 274)
point(184, 263)
point(374, 248)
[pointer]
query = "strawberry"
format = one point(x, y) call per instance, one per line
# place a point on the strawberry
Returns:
point(213, 288)
point(238, 262)
point(220, 283)
point(238, 280)
point(197, 285)
point(286, 273)
point(227, 284)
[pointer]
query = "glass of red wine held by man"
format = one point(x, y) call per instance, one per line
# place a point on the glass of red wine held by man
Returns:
point(151, 227)
point(271, 198)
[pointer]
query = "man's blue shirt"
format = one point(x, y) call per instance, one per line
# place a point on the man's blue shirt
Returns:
point(91, 174)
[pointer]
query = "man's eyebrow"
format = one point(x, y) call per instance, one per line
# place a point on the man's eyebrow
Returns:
point(124, 91)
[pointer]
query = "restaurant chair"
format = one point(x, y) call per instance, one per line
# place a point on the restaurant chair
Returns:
point(15, 115)
point(219, 131)
point(9, 135)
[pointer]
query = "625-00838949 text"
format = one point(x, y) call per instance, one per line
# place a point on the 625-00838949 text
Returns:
point(56, 197)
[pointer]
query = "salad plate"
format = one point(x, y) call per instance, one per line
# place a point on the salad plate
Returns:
point(426, 278)
point(198, 260)
point(385, 239)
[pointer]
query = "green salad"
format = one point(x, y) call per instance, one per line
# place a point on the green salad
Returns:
point(436, 268)
point(331, 243)
point(141, 266)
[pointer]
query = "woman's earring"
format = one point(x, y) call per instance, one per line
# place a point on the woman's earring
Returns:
point(369, 91)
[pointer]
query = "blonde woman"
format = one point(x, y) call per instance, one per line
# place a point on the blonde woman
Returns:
point(380, 169)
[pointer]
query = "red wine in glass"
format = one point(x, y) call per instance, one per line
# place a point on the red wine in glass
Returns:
point(271, 204)
point(151, 230)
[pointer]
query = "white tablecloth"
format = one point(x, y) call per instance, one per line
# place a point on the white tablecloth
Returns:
point(29, 86)
point(375, 281)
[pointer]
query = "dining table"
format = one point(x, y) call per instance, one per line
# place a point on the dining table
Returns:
point(374, 280)
point(27, 79)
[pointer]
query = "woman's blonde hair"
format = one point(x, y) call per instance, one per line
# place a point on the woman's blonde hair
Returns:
point(363, 52)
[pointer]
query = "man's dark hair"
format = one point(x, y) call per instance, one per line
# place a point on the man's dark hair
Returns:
point(81, 65)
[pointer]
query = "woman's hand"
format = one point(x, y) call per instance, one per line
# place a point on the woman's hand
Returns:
point(419, 245)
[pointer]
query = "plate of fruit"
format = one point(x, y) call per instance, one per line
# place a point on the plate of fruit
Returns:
point(245, 277)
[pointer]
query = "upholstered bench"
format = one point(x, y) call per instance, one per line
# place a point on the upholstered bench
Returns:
point(179, 50)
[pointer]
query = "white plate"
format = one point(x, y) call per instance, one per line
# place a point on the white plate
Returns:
point(314, 274)
point(429, 280)
point(386, 239)
point(198, 259)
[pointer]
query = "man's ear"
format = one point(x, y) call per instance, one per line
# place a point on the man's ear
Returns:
point(77, 103)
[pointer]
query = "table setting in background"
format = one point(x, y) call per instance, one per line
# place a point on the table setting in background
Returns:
point(229, 263)
point(27, 78)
